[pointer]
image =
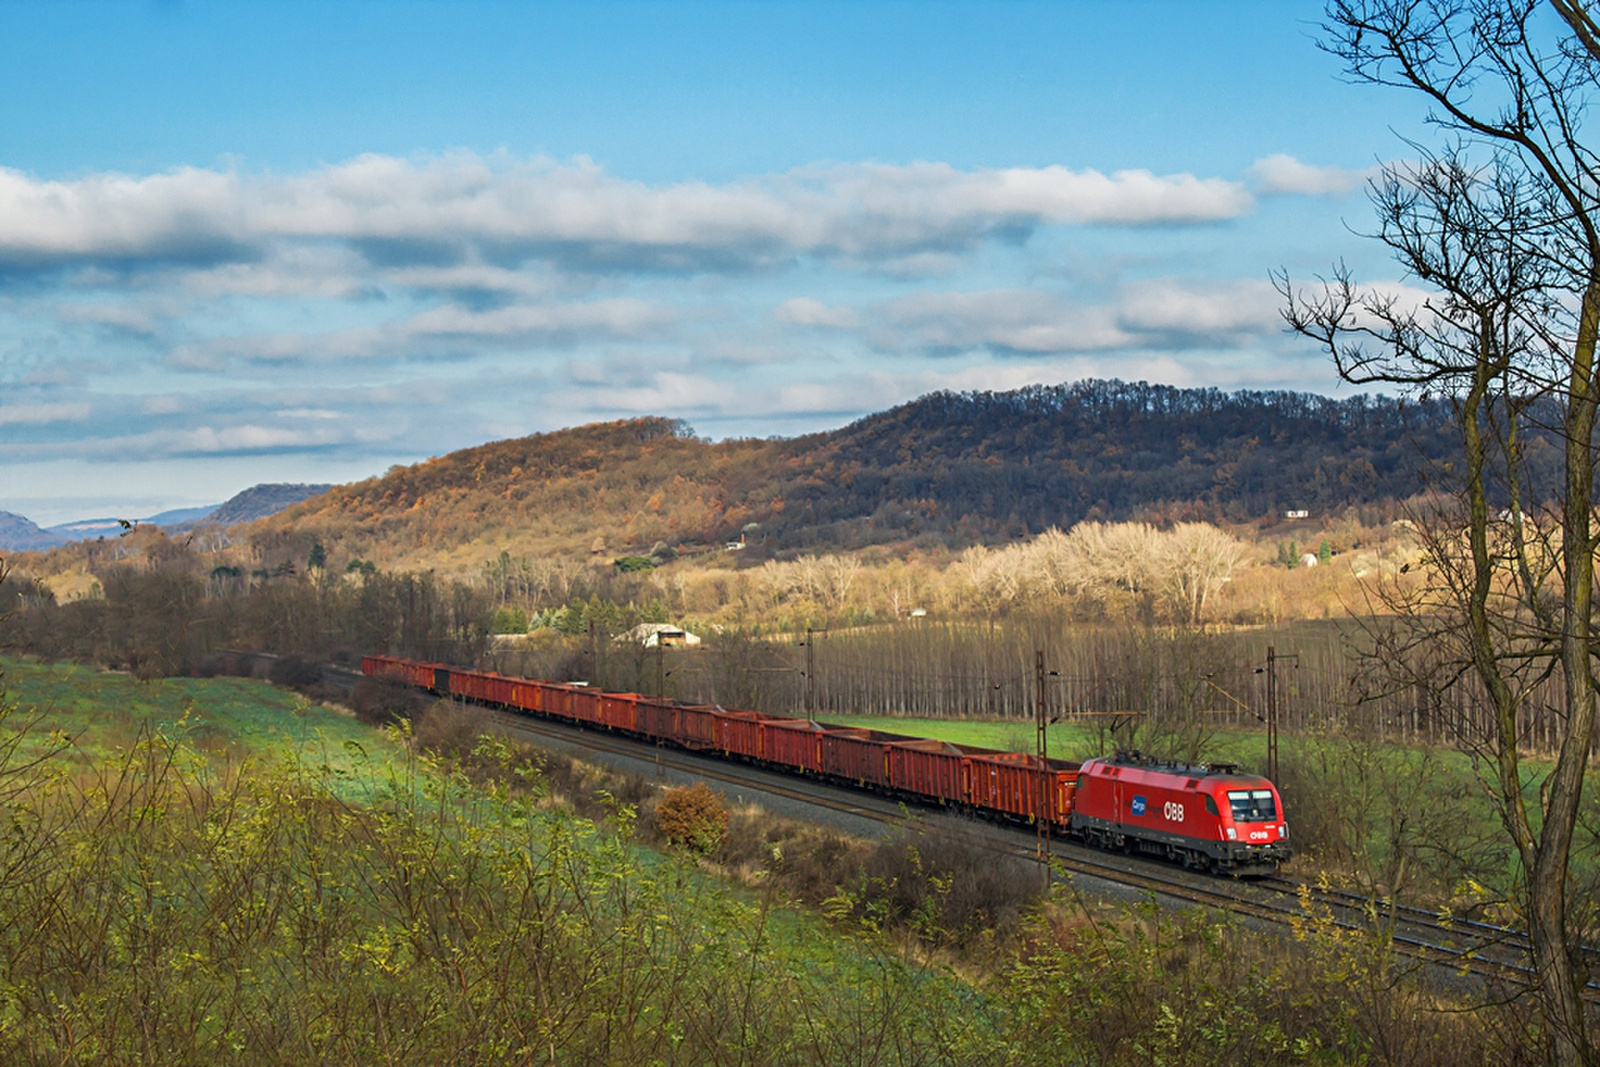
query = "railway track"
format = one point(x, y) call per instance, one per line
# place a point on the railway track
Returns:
point(1465, 946)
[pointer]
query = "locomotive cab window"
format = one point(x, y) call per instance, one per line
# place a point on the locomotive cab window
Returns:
point(1211, 804)
point(1253, 805)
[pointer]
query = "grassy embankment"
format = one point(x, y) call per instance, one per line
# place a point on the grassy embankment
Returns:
point(213, 870)
point(200, 870)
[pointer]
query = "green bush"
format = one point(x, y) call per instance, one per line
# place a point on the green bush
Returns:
point(509, 621)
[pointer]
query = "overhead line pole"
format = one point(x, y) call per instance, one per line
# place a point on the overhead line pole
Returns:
point(1272, 707)
point(1042, 731)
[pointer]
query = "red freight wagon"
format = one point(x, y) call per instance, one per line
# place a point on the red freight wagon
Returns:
point(583, 704)
point(928, 768)
point(552, 699)
point(695, 726)
point(794, 743)
point(525, 695)
point(480, 685)
point(849, 752)
point(1016, 782)
point(1206, 816)
point(572, 702)
point(434, 676)
point(380, 667)
point(619, 710)
point(656, 717)
point(502, 688)
point(468, 684)
point(739, 733)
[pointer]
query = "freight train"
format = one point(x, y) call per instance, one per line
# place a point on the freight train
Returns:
point(1212, 817)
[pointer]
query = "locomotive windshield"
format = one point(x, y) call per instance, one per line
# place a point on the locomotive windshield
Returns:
point(1253, 805)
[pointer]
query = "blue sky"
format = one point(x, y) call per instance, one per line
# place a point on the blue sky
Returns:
point(301, 242)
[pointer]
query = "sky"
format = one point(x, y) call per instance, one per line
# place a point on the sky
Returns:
point(302, 242)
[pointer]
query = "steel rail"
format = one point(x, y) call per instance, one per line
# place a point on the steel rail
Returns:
point(1423, 935)
point(1275, 900)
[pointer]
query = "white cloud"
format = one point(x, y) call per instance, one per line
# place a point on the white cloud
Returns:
point(1021, 320)
point(1162, 313)
point(40, 414)
point(1199, 309)
point(402, 211)
point(805, 311)
point(1282, 173)
point(116, 316)
point(611, 318)
point(422, 334)
point(162, 405)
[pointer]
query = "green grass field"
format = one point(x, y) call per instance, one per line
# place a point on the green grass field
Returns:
point(1073, 741)
point(251, 876)
point(229, 719)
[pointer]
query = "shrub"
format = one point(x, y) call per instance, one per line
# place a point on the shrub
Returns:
point(692, 817)
point(945, 887)
point(381, 701)
point(450, 729)
point(293, 672)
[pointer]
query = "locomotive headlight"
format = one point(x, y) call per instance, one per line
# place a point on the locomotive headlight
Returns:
point(1233, 835)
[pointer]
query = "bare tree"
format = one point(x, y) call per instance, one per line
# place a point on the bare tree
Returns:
point(1503, 228)
point(1196, 560)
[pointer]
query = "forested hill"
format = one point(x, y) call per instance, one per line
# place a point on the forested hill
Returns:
point(948, 468)
point(1052, 455)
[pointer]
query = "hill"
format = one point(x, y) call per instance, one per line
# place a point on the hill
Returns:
point(948, 469)
point(18, 534)
point(257, 502)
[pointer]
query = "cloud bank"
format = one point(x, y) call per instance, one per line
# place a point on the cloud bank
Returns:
point(399, 211)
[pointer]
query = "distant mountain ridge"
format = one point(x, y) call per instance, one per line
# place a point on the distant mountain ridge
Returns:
point(260, 501)
point(948, 469)
point(18, 534)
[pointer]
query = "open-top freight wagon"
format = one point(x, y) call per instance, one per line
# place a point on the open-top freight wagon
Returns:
point(1213, 817)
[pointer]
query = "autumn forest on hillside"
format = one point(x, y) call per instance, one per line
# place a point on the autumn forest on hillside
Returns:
point(934, 548)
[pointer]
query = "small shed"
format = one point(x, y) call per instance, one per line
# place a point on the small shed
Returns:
point(661, 635)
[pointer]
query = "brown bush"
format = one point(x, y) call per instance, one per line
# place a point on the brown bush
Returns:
point(381, 701)
point(294, 672)
point(692, 816)
point(810, 863)
point(946, 887)
point(450, 729)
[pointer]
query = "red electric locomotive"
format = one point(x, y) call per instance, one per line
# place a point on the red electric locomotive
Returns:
point(1212, 817)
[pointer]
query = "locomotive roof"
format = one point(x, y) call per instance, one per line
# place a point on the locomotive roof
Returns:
point(1143, 762)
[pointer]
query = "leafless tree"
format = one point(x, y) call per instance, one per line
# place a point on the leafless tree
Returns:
point(1502, 228)
point(1195, 560)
